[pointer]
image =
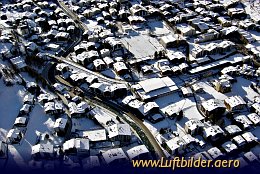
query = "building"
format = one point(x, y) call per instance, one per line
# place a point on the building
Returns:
point(251, 158)
point(250, 138)
point(186, 92)
point(95, 135)
point(213, 108)
point(193, 127)
point(154, 88)
point(138, 152)
point(232, 130)
point(99, 65)
point(254, 118)
point(235, 103)
point(119, 132)
point(239, 141)
point(138, 10)
point(175, 146)
point(14, 136)
point(115, 157)
point(255, 108)
point(215, 153)
point(185, 29)
point(229, 148)
point(243, 122)
point(223, 86)
point(21, 121)
point(78, 146)
point(120, 68)
point(43, 151)
point(171, 41)
point(61, 126)
point(213, 133)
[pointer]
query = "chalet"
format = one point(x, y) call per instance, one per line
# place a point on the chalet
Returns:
point(87, 57)
point(102, 89)
point(115, 157)
point(237, 13)
point(250, 138)
point(197, 88)
point(108, 61)
point(224, 22)
point(104, 53)
point(119, 132)
point(138, 152)
point(14, 136)
point(94, 136)
point(99, 65)
point(193, 127)
point(255, 108)
point(175, 57)
point(91, 79)
point(213, 108)
point(123, 14)
point(53, 108)
point(113, 43)
point(42, 151)
point(26, 109)
point(186, 92)
point(46, 97)
point(78, 146)
point(138, 10)
point(60, 126)
point(229, 148)
point(120, 68)
point(32, 87)
point(215, 153)
point(175, 146)
point(223, 86)
point(28, 99)
point(213, 133)
point(243, 122)
point(254, 118)
point(185, 30)
point(75, 111)
point(78, 78)
point(118, 90)
point(21, 121)
point(171, 41)
point(232, 130)
point(234, 103)
point(239, 141)
point(19, 63)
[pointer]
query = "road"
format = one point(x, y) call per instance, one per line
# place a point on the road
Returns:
point(100, 76)
point(106, 104)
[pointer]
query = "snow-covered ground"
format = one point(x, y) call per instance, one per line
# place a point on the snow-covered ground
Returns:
point(10, 104)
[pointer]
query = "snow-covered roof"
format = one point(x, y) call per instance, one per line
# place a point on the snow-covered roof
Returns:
point(136, 151)
point(229, 146)
point(60, 123)
point(212, 104)
point(214, 152)
point(114, 154)
point(234, 101)
point(253, 117)
point(42, 149)
point(118, 130)
point(95, 135)
point(77, 143)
